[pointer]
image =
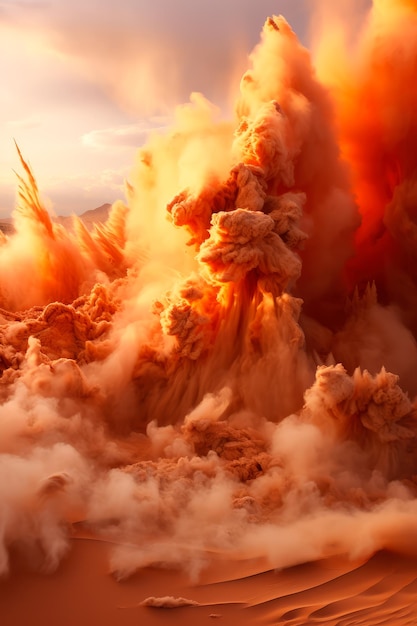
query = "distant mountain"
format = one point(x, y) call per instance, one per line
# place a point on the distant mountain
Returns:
point(93, 216)
point(6, 226)
point(100, 214)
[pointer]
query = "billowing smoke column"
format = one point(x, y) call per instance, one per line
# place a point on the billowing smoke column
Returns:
point(228, 363)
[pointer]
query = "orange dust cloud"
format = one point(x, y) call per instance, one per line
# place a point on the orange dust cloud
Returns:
point(227, 364)
point(373, 94)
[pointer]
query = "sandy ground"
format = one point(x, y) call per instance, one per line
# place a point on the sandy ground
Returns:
point(336, 591)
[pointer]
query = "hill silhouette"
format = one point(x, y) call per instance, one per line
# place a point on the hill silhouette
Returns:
point(90, 217)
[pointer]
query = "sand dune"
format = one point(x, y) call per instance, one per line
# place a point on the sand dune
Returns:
point(334, 591)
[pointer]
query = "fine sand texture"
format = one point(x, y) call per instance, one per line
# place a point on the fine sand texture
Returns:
point(334, 591)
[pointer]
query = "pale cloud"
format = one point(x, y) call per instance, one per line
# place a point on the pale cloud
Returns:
point(83, 83)
point(128, 135)
point(150, 55)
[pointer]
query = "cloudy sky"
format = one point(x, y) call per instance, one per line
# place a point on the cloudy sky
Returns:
point(82, 82)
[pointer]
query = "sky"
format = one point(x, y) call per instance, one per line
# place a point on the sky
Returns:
point(83, 82)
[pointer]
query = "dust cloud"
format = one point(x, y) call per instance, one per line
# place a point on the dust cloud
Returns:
point(227, 365)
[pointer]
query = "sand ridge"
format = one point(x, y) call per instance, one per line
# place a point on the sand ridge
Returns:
point(334, 591)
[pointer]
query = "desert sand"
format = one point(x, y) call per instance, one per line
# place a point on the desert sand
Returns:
point(334, 591)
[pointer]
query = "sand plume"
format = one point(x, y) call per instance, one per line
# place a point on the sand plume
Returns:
point(375, 107)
